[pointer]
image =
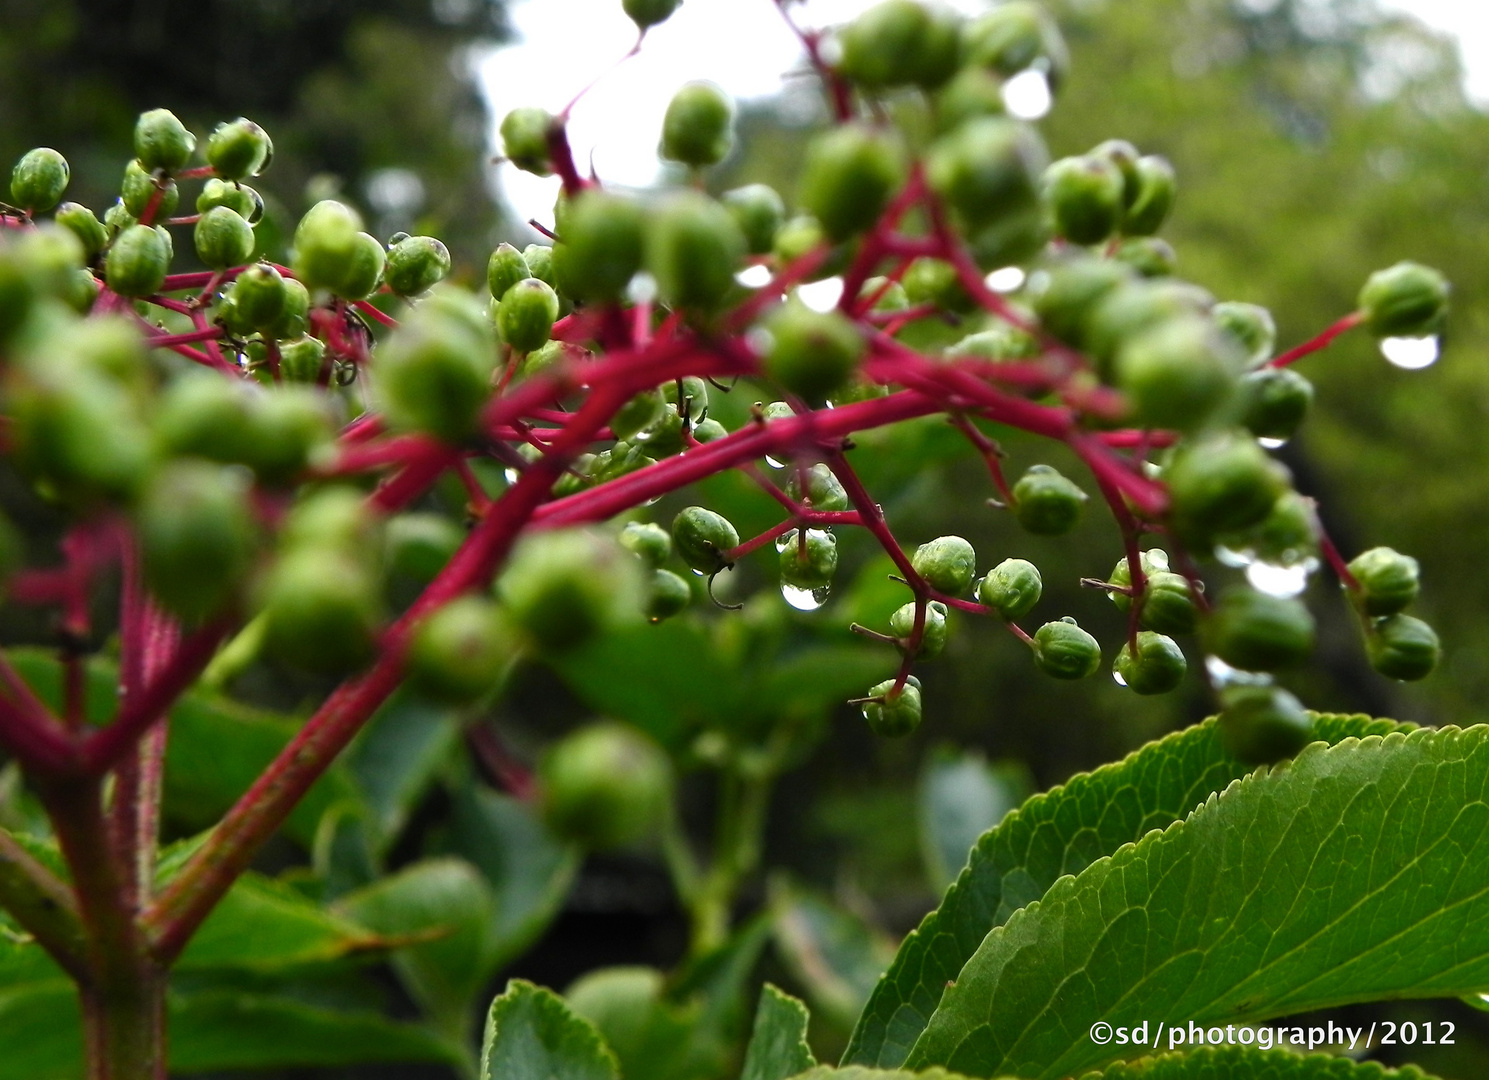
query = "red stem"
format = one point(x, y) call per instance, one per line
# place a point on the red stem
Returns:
point(1322, 341)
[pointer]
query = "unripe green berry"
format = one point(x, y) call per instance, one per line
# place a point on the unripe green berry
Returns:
point(84, 224)
point(1274, 402)
point(1285, 537)
point(1071, 292)
point(1223, 483)
point(1155, 197)
point(223, 239)
point(1014, 37)
point(692, 250)
point(849, 174)
point(1150, 256)
point(325, 244)
point(506, 268)
point(604, 786)
point(197, 536)
point(648, 541)
point(527, 314)
point(116, 219)
point(1084, 196)
point(1250, 325)
point(1261, 725)
point(161, 141)
point(259, 295)
point(139, 190)
point(808, 559)
point(648, 13)
point(433, 373)
point(238, 149)
point(460, 652)
point(669, 595)
point(759, 212)
point(1046, 503)
point(1062, 650)
point(702, 537)
point(524, 135)
point(796, 238)
point(1405, 300)
point(567, 586)
point(600, 246)
point(811, 353)
point(247, 202)
point(947, 564)
point(1257, 632)
point(933, 632)
point(1157, 667)
point(1011, 589)
point(898, 42)
point(698, 128)
point(137, 262)
point(321, 612)
point(988, 169)
point(1178, 374)
point(416, 264)
point(39, 179)
point(293, 321)
point(892, 296)
point(301, 359)
point(825, 491)
point(1387, 579)
point(1403, 648)
point(287, 426)
point(419, 545)
point(898, 712)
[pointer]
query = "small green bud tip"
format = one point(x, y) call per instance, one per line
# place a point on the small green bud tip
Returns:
point(698, 128)
point(460, 652)
point(824, 491)
point(1261, 725)
point(1157, 667)
point(1123, 155)
point(161, 141)
point(648, 13)
point(808, 561)
point(223, 239)
point(1274, 402)
point(137, 262)
point(1011, 589)
point(759, 212)
point(1250, 326)
point(239, 149)
point(39, 179)
point(1403, 648)
point(947, 564)
point(506, 268)
point(524, 135)
point(1047, 503)
point(1387, 579)
point(692, 249)
point(1253, 631)
point(1178, 374)
point(669, 596)
point(848, 177)
point(988, 169)
point(601, 242)
point(138, 190)
point(701, 537)
point(416, 264)
point(527, 314)
point(895, 713)
point(604, 786)
point(1084, 197)
point(1062, 650)
point(1405, 300)
point(1157, 186)
point(648, 541)
point(811, 353)
point(84, 224)
point(932, 634)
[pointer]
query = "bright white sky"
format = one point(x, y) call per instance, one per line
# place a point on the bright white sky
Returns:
point(744, 46)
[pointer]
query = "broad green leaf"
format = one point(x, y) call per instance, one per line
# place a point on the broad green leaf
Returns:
point(397, 757)
point(1239, 1063)
point(1060, 832)
point(532, 1035)
point(1356, 872)
point(41, 1036)
point(961, 797)
point(835, 955)
point(778, 1046)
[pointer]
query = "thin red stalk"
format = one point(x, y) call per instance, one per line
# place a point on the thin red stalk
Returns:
point(990, 456)
point(416, 477)
point(1322, 341)
point(166, 341)
point(372, 311)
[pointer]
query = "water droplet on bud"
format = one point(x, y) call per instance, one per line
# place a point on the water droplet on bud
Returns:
point(754, 277)
point(1223, 675)
point(1027, 95)
point(1276, 579)
point(1117, 678)
point(1238, 560)
point(1271, 444)
point(1411, 353)
point(1005, 280)
point(805, 599)
point(821, 295)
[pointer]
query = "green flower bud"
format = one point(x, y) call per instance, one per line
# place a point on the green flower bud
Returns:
point(669, 595)
point(288, 425)
point(137, 262)
point(1285, 537)
point(1250, 326)
point(849, 174)
point(1011, 589)
point(825, 491)
point(798, 237)
point(811, 353)
point(1155, 197)
point(1221, 484)
point(897, 714)
point(932, 634)
point(648, 13)
point(139, 189)
point(1148, 255)
point(935, 281)
point(808, 561)
point(73, 430)
point(197, 537)
point(363, 270)
point(1257, 632)
point(1405, 300)
point(600, 246)
point(947, 564)
point(539, 259)
point(1013, 238)
point(1046, 503)
point(333, 519)
point(1178, 374)
point(1157, 668)
point(259, 295)
point(116, 219)
point(420, 544)
point(293, 321)
point(161, 141)
point(326, 244)
point(759, 212)
point(1071, 292)
point(84, 224)
point(239, 149)
point(988, 169)
point(604, 786)
point(1062, 650)
point(433, 373)
point(1403, 648)
point(1388, 580)
point(706, 431)
point(527, 314)
point(564, 587)
point(694, 393)
point(525, 139)
point(892, 295)
point(1167, 606)
point(698, 128)
point(1274, 402)
point(39, 179)
point(972, 92)
point(301, 359)
point(1132, 309)
point(506, 268)
point(648, 541)
point(82, 292)
point(417, 264)
point(204, 415)
point(638, 414)
point(240, 198)
point(1014, 37)
point(702, 537)
point(223, 239)
point(321, 612)
point(460, 652)
point(899, 42)
point(1261, 725)
point(1123, 155)
point(1084, 196)
point(692, 250)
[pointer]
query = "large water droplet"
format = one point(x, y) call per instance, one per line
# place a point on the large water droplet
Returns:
point(1157, 558)
point(1117, 678)
point(1027, 95)
point(1411, 353)
point(773, 463)
point(754, 277)
point(805, 599)
point(1223, 675)
point(510, 474)
point(1238, 560)
point(1272, 444)
point(1005, 280)
point(1276, 579)
point(821, 295)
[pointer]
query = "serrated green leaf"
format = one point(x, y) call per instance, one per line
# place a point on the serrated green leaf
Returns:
point(835, 955)
point(1239, 1063)
point(397, 757)
point(1057, 833)
point(1354, 873)
point(778, 1046)
point(532, 1035)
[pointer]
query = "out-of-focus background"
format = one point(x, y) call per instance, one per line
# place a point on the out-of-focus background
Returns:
point(1315, 141)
